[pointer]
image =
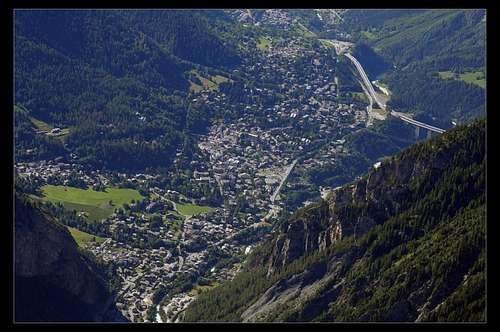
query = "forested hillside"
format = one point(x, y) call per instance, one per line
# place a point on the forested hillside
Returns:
point(404, 243)
point(115, 80)
point(441, 37)
point(418, 44)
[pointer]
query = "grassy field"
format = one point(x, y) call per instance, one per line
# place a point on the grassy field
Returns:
point(361, 96)
point(383, 85)
point(446, 74)
point(93, 213)
point(263, 43)
point(198, 289)
point(176, 227)
point(326, 42)
point(40, 125)
point(219, 79)
point(95, 203)
point(472, 77)
point(211, 83)
point(261, 224)
point(64, 132)
point(193, 209)
point(195, 87)
point(44, 126)
point(20, 109)
point(82, 238)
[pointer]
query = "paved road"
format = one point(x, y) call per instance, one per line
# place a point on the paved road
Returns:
point(183, 235)
point(381, 103)
point(274, 208)
point(417, 123)
point(287, 173)
point(367, 82)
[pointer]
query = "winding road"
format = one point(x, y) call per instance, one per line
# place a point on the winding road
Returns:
point(382, 104)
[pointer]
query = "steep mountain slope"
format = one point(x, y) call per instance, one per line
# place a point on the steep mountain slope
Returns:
point(404, 243)
point(443, 37)
point(417, 44)
point(112, 77)
point(189, 35)
point(53, 280)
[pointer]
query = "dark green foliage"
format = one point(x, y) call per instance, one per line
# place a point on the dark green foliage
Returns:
point(27, 185)
point(373, 144)
point(71, 218)
point(226, 303)
point(189, 35)
point(347, 77)
point(419, 89)
point(365, 146)
point(373, 64)
point(346, 168)
point(116, 78)
point(359, 20)
point(405, 36)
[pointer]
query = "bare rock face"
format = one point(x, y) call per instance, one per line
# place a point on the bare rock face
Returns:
point(378, 196)
point(54, 281)
point(308, 283)
point(330, 235)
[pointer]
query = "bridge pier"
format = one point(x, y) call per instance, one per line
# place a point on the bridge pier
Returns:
point(417, 132)
point(429, 134)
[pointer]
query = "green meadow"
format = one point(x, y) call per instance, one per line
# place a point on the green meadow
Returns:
point(471, 77)
point(96, 204)
point(368, 35)
point(82, 238)
point(474, 77)
point(40, 125)
point(263, 43)
point(211, 83)
point(44, 126)
point(193, 209)
point(326, 42)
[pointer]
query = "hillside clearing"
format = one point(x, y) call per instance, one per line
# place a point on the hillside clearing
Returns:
point(82, 238)
point(211, 83)
point(41, 125)
point(471, 77)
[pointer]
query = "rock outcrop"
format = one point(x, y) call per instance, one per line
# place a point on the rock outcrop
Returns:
point(53, 280)
point(354, 209)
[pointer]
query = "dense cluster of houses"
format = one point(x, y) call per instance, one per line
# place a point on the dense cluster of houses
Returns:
point(247, 158)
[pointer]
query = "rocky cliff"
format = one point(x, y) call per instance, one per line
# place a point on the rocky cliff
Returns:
point(53, 280)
